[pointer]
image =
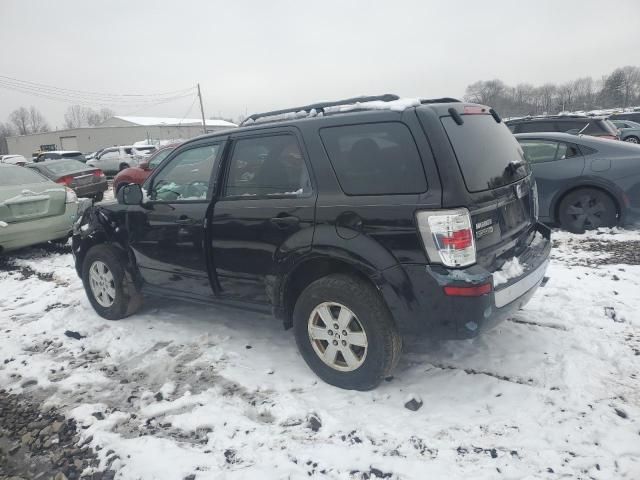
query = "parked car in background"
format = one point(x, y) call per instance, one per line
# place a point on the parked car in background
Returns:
point(584, 182)
point(59, 154)
point(33, 209)
point(114, 159)
point(629, 130)
point(86, 181)
point(14, 160)
point(329, 221)
point(140, 173)
point(574, 124)
point(633, 116)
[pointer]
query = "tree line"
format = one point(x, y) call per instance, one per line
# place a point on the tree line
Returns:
point(619, 89)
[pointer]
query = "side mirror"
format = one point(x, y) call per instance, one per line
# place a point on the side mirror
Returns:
point(130, 194)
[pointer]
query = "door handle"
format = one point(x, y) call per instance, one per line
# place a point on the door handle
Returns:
point(285, 222)
point(185, 220)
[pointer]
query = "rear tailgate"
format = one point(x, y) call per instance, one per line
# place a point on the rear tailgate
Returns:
point(31, 201)
point(502, 197)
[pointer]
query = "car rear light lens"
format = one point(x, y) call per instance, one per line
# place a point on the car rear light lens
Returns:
point(98, 173)
point(66, 180)
point(71, 196)
point(447, 236)
point(472, 110)
point(474, 291)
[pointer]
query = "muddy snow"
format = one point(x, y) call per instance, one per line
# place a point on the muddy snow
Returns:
point(185, 391)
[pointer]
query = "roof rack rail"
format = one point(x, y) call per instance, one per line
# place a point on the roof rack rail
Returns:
point(321, 106)
point(439, 100)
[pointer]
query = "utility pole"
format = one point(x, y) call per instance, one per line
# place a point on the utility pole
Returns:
point(204, 123)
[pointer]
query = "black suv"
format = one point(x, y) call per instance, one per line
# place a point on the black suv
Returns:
point(354, 222)
point(575, 124)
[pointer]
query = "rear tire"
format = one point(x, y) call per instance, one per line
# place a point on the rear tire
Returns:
point(110, 288)
point(632, 139)
point(123, 166)
point(587, 209)
point(358, 310)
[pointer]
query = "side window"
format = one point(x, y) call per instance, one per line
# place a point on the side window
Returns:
point(535, 127)
point(375, 159)
point(570, 126)
point(108, 155)
point(186, 177)
point(157, 160)
point(267, 166)
point(541, 151)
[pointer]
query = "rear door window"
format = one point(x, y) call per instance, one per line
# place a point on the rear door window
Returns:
point(375, 159)
point(488, 154)
point(267, 166)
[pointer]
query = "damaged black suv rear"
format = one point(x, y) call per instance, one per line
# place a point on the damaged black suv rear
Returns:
point(355, 222)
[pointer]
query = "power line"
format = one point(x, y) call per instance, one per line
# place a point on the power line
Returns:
point(90, 94)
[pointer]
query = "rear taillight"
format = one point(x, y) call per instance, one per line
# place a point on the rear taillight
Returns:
point(447, 236)
point(66, 180)
point(98, 173)
point(534, 195)
point(474, 110)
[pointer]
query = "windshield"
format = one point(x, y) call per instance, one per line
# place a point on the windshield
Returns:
point(11, 176)
point(65, 166)
point(488, 154)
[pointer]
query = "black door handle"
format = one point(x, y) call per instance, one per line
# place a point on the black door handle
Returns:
point(185, 220)
point(285, 222)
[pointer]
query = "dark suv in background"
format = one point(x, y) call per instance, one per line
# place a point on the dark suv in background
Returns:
point(355, 222)
point(575, 124)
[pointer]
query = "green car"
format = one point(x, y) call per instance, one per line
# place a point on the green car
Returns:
point(629, 131)
point(33, 209)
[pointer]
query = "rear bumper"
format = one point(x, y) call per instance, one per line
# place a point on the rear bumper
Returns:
point(415, 294)
point(23, 234)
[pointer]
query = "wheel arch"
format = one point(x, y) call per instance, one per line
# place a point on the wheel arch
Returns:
point(602, 186)
point(312, 268)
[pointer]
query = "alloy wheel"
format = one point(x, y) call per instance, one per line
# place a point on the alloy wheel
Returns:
point(586, 213)
point(102, 284)
point(337, 336)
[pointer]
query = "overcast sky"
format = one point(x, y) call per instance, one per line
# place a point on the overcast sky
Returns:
point(260, 55)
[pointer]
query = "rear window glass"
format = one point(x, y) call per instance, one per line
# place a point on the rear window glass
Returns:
point(64, 166)
point(488, 154)
point(375, 159)
point(18, 176)
point(535, 127)
point(71, 155)
point(599, 127)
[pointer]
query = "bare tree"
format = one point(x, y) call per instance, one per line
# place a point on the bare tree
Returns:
point(6, 130)
point(20, 119)
point(78, 116)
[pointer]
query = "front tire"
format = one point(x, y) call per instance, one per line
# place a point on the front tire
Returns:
point(632, 139)
point(123, 166)
point(110, 288)
point(587, 209)
point(363, 349)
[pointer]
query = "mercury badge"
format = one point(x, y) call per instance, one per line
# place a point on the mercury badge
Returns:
point(484, 227)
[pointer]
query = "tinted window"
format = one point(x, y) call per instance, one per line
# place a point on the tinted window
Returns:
point(64, 166)
point(488, 154)
point(599, 127)
point(540, 151)
point(187, 176)
point(535, 127)
point(375, 159)
point(19, 176)
point(570, 126)
point(72, 155)
point(267, 166)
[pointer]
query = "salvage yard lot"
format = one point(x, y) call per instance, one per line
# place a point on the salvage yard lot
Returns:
point(181, 390)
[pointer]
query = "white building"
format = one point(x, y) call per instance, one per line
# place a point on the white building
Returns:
point(117, 130)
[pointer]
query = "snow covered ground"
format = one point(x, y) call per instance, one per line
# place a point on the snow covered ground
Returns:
point(181, 389)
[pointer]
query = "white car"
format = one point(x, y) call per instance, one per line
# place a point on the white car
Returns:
point(115, 159)
point(14, 160)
